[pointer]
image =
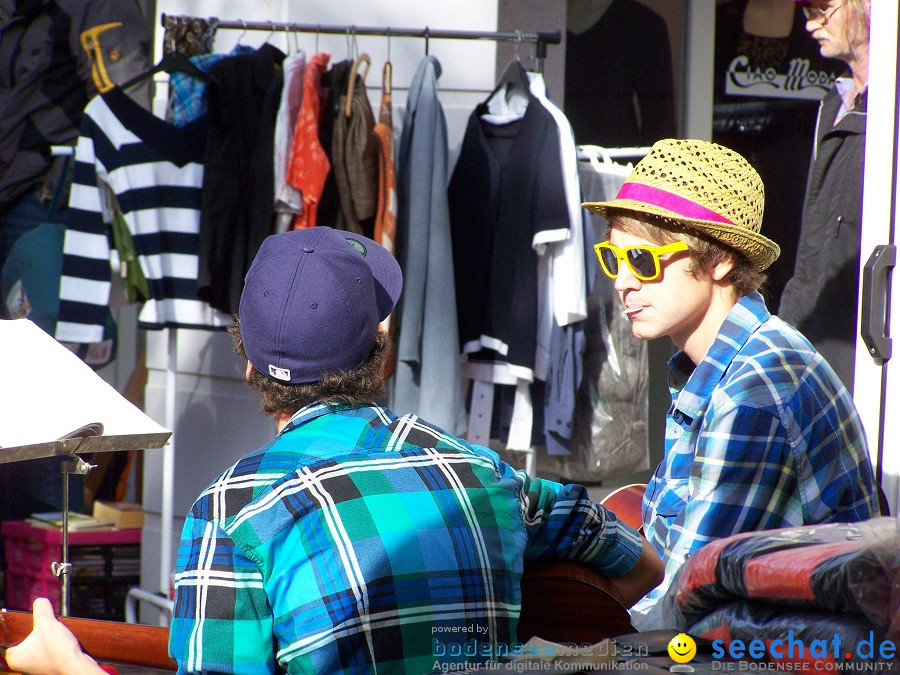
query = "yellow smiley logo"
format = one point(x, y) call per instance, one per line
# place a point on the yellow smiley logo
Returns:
point(682, 648)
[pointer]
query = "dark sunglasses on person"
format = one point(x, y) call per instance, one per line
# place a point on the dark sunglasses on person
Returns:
point(642, 260)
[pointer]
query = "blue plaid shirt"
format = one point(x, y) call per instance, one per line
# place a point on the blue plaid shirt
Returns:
point(760, 435)
point(357, 540)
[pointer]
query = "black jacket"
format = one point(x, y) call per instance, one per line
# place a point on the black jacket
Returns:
point(55, 56)
point(821, 297)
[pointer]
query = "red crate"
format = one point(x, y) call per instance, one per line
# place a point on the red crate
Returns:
point(31, 549)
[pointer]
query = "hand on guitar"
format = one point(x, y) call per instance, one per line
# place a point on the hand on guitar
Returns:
point(51, 648)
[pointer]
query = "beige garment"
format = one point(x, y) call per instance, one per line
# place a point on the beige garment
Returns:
point(354, 158)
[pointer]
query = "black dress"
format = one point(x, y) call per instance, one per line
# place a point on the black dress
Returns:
point(624, 56)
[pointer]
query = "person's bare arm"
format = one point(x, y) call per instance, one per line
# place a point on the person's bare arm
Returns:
point(50, 648)
point(646, 575)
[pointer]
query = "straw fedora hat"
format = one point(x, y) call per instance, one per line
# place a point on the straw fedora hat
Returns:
point(704, 186)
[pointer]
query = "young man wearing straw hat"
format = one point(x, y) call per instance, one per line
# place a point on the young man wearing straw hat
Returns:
point(761, 434)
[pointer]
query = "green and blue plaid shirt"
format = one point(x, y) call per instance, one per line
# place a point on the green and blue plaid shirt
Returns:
point(760, 435)
point(358, 541)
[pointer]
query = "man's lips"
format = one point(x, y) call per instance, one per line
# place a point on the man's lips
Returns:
point(630, 311)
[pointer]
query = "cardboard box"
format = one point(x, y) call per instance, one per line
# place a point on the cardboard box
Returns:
point(124, 515)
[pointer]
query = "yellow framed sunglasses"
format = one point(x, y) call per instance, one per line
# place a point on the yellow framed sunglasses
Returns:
point(642, 260)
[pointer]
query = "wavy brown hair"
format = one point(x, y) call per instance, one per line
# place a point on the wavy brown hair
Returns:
point(364, 384)
point(705, 251)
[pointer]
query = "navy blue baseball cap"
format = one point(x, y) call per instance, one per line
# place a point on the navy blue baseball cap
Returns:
point(312, 302)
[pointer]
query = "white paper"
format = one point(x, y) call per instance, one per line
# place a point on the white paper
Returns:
point(47, 392)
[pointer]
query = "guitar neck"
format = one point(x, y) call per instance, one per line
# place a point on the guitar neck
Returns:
point(105, 641)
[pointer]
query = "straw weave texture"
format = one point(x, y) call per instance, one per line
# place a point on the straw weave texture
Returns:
point(712, 176)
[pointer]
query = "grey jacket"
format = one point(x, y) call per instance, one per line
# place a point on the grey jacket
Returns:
point(821, 297)
point(427, 374)
point(55, 56)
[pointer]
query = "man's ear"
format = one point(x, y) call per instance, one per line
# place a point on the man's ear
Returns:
point(248, 371)
point(721, 271)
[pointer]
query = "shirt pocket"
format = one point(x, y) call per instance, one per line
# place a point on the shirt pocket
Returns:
point(673, 497)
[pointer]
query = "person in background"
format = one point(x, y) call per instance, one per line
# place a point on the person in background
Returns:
point(770, 120)
point(54, 57)
point(821, 297)
point(761, 433)
point(356, 539)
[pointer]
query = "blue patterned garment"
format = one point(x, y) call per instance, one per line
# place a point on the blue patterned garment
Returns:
point(358, 541)
point(187, 92)
point(760, 435)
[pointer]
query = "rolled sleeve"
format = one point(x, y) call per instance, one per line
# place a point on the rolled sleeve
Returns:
point(622, 548)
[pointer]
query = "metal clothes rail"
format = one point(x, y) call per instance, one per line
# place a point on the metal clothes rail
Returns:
point(539, 38)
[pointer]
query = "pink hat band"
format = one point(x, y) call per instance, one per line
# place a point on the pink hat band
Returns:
point(663, 199)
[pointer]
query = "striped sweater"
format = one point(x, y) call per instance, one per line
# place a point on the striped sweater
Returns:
point(155, 173)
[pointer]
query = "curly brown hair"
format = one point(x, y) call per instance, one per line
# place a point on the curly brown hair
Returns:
point(705, 251)
point(364, 384)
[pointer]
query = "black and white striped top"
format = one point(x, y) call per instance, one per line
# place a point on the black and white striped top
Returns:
point(155, 172)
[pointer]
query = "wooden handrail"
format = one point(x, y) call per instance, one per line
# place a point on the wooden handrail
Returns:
point(105, 641)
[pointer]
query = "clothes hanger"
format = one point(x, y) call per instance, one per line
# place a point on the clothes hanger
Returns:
point(351, 80)
point(386, 72)
point(172, 62)
point(604, 160)
point(514, 78)
point(291, 40)
point(243, 34)
point(386, 79)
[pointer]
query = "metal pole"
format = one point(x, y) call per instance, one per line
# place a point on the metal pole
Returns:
point(545, 37)
point(63, 569)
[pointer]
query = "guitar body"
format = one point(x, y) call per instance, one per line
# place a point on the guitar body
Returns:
point(566, 601)
point(626, 502)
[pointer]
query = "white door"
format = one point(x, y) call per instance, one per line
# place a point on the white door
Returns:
point(877, 383)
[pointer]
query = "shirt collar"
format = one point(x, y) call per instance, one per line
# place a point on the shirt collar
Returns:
point(694, 385)
point(313, 411)
point(844, 86)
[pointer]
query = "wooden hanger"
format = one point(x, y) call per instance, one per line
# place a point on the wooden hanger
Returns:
point(386, 79)
point(351, 81)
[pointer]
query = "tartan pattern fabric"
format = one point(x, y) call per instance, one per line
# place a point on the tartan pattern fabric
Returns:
point(356, 538)
point(760, 435)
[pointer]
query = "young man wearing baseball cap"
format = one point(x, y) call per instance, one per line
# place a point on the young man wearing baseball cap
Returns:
point(354, 539)
point(761, 434)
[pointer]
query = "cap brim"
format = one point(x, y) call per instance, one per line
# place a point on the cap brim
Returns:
point(385, 270)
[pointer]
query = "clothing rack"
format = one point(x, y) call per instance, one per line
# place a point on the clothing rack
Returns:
point(540, 38)
point(609, 154)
